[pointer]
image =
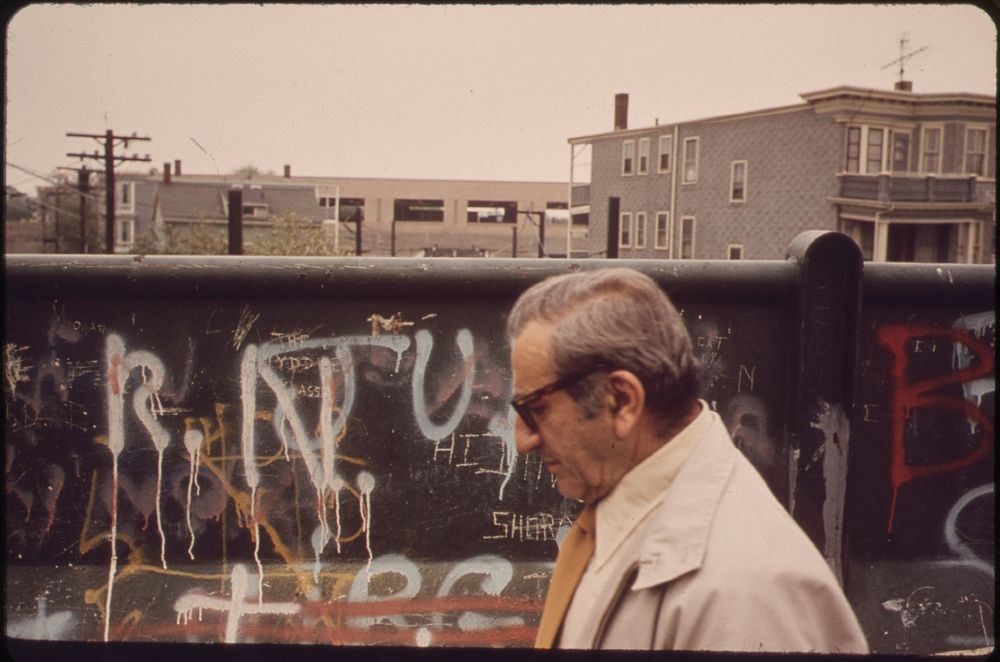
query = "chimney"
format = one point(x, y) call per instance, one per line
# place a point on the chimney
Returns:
point(177, 167)
point(621, 111)
point(288, 172)
point(904, 86)
point(166, 173)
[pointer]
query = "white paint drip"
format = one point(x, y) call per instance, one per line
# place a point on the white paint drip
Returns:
point(832, 421)
point(236, 605)
point(504, 429)
point(425, 343)
point(366, 485)
point(256, 543)
point(319, 540)
point(248, 391)
point(338, 485)
point(113, 566)
point(192, 441)
point(159, 514)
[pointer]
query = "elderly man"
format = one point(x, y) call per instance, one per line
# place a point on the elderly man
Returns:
point(681, 544)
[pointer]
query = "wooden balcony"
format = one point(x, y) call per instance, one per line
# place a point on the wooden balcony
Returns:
point(902, 188)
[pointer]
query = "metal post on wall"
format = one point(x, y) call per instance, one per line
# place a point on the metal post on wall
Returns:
point(83, 186)
point(357, 237)
point(513, 247)
point(829, 309)
point(613, 217)
point(236, 222)
point(541, 234)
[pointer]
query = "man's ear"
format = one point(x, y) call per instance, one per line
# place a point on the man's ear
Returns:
point(627, 401)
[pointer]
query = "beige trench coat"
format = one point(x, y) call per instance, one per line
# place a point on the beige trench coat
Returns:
point(720, 565)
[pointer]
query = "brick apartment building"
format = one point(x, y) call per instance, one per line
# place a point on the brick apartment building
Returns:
point(403, 217)
point(911, 177)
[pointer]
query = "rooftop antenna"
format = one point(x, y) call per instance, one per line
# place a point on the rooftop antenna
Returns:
point(901, 61)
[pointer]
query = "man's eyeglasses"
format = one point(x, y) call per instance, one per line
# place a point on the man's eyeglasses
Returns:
point(521, 404)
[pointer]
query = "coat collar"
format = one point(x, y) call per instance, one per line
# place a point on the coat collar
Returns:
point(678, 536)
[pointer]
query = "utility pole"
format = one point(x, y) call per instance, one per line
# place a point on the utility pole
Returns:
point(83, 188)
point(109, 140)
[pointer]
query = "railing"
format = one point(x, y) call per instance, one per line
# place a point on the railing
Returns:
point(892, 188)
point(319, 451)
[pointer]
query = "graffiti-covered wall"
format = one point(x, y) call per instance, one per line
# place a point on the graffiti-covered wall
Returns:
point(321, 451)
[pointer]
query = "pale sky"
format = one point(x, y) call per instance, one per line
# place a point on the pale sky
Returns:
point(438, 91)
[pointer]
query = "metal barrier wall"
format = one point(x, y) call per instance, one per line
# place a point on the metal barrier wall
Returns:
point(278, 450)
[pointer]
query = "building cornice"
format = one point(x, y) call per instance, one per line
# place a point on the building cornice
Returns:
point(658, 128)
point(846, 101)
point(855, 94)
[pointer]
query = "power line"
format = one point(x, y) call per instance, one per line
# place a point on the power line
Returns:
point(56, 183)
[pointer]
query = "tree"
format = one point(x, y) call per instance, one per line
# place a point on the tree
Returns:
point(290, 234)
point(249, 171)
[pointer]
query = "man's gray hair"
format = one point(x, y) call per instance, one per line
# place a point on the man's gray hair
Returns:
point(619, 317)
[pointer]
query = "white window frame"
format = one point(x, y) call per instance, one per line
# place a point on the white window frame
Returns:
point(885, 152)
point(923, 148)
point(662, 217)
point(669, 151)
point(643, 159)
point(694, 227)
point(985, 128)
point(125, 232)
point(125, 197)
point(732, 180)
point(890, 149)
point(738, 248)
point(640, 230)
point(628, 163)
point(625, 229)
point(684, 172)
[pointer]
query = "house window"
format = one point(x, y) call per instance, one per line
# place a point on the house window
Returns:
point(125, 198)
point(625, 230)
point(418, 210)
point(734, 252)
point(351, 209)
point(687, 237)
point(666, 150)
point(930, 146)
point(557, 212)
point(640, 230)
point(628, 157)
point(690, 160)
point(873, 154)
point(662, 239)
point(738, 182)
point(975, 151)
point(853, 149)
point(126, 231)
point(644, 156)
point(900, 159)
point(255, 210)
point(490, 211)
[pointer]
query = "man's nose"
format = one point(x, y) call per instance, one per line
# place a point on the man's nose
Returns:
point(525, 438)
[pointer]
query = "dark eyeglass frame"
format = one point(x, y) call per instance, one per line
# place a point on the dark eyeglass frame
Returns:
point(521, 404)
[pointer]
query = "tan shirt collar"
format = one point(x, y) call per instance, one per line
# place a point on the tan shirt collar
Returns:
point(643, 488)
